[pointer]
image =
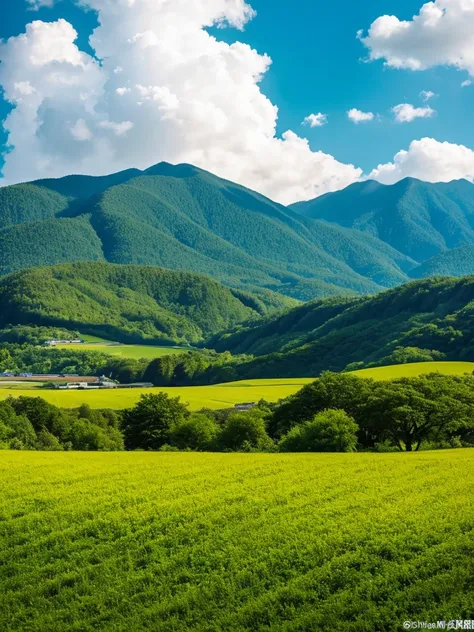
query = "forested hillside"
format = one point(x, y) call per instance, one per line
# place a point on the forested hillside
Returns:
point(419, 219)
point(128, 303)
point(422, 320)
point(456, 262)
point(183, 218)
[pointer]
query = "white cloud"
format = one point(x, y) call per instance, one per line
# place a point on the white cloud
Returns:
point(429, 160)
point(426, 95)
point(441, 34)
point(193, 99)
point(122, 91)
point(316, 120)
point(357, 116)
point(24, 87)
point(119, 129)
point(466, 83)
point(406, 113)
point(80, 131)
point(37, 4)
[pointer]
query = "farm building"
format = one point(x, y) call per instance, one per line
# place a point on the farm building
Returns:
point(53, 343)
point(246, 406)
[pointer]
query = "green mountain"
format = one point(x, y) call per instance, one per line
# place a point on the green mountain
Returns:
point(416, 218)
point(183, 218)
point(422, 320)
point(128, 303)
point(456, 262)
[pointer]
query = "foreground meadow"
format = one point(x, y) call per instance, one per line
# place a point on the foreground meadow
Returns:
point(236, 542)
point(213, 397)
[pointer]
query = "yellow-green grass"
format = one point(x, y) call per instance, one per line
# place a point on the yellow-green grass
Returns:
point(214, 397)
point(237, 542)
point(126, 351)
point(414, 370)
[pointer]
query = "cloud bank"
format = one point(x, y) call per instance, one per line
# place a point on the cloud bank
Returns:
point(164, 89)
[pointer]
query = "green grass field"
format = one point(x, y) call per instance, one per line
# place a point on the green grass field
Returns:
point(214, 397)
point(126, 351)
point(416, 369)
point(237, 542)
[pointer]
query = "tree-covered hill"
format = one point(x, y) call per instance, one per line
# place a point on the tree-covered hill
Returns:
point(127, 302)
point(419, 219)
point(184, 218)
point(422, 320)
point(456, 262)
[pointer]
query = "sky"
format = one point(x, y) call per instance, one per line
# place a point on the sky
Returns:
point(290, 99)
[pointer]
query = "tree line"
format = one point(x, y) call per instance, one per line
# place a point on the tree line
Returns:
point(335, 413)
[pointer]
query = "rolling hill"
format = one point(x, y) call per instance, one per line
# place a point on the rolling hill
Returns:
point(128, 303)
point(419, 219)
point(184, 218)
point(426, 320)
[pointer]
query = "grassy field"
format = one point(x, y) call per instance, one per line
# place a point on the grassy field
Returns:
point(214, 397)
point(416, 369)
point(235, 542)
point(126, 351)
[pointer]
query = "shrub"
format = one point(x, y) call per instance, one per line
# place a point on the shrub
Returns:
point(329, 431)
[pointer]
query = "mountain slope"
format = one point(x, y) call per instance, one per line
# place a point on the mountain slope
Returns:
point(456, 262)
point(421, 320)
point(127, 303)
point(416, 218)
point(181, 217)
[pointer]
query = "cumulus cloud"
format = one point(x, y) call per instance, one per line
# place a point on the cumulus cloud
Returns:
point(357, 116)
point(406, 113)
point(164, 89)
point(466, 83)
point(316, 120)
point(429, 160)
point(441, 34)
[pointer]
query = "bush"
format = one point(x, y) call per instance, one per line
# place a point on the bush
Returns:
point(245, 432)
point(197, 432)
point(330, 431)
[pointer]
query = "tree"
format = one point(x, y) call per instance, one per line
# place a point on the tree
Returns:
point(48, 442)
point(147, 425)
point(245, 431)
point(197, 432)
point(339, 391)
point(329, 431)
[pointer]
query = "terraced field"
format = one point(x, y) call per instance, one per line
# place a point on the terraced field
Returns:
point(214, 397)
point(237, 542)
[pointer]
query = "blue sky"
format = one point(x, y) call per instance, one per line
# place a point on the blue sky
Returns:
point(318, 66)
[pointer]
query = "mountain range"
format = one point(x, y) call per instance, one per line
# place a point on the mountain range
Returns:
point(361, 240)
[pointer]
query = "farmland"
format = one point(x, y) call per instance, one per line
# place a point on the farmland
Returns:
point(415, 369)
point(214, 397)
point(236, 542)
point(126, 351)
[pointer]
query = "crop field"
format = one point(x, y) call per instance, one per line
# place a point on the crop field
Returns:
point(416, 369)
point(214, 397)
point(126, 351)
point(237, 542)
